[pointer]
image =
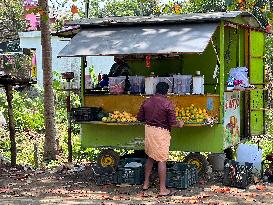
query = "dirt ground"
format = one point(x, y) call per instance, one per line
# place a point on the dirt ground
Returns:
point(62, 186)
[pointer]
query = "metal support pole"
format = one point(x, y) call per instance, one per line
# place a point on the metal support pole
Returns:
point(68, 76)
point(83, 66)
point(69, 139)
point(222, 70)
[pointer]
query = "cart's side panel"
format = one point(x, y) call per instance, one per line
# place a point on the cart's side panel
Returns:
point(256, 77)
point(191, 139)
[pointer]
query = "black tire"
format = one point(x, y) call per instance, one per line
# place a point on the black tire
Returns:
point(199, 161)
point(135, 154)
point(108, 161)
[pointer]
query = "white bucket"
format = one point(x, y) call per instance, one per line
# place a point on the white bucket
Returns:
point(217, 161)
point(252, 154)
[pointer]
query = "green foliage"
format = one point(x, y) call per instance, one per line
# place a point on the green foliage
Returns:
point(28, 111)
point(203, 6)
point(11, 21)
point(29, 120)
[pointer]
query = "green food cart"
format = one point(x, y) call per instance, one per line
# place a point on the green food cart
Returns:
point(212, 43)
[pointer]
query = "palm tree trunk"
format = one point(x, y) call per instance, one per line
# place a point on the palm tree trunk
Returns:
point(50, 148)
point(13, 151)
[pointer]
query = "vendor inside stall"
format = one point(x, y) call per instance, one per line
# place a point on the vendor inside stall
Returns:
point(119, 68)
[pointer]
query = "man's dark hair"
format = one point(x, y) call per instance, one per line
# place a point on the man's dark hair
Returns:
point(162, 88)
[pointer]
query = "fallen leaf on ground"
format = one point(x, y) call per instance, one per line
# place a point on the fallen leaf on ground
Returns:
point(4, 190)
point(222, 190)
point(261, 187)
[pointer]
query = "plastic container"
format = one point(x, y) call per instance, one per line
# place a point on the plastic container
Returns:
point(198, 84)
point(250, 153)
point(217, 161)
point(137, 84)
point(169, 81)
point(117, 85)
point(240, 73)
point(88, 82)
point(182, 84)
point(150, 85)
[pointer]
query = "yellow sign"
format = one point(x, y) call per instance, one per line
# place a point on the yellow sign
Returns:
point(34, 71)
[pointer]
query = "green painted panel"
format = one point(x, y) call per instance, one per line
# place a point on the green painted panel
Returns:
point(256, 71)
point(205, 63)
point(161, 67)
point(256, 99)
point(241, 45)
point(231, 57)
point(256, 64)
point(256, 74)
point(257, 114)
point(197, 139)
point(257, 44)
point(256, 122)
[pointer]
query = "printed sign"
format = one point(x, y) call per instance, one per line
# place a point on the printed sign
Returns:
point(231, 118)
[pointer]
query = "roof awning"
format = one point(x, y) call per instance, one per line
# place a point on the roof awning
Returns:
point(160, 39)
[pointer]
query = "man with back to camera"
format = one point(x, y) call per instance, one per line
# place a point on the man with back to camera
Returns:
point(158, 113)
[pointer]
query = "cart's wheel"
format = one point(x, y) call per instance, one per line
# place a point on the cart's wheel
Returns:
point(199, 161)
point(108, 160)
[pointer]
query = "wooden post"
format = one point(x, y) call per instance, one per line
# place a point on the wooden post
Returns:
point(13, 151)
point(36, 153)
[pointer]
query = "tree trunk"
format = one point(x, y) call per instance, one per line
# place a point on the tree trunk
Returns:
point(13, 151)
point(50, 148)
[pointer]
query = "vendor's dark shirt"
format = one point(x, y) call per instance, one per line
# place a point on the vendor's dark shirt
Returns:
point(157, 111)
point(119, 70)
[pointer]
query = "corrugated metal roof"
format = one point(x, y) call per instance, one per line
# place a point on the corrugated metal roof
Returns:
point(181, 38)
point(182, 18)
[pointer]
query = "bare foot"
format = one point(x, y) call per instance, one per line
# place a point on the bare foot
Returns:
point(145, 185)
point(165, 192)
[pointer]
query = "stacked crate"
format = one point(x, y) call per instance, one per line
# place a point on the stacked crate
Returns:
point(237, 175)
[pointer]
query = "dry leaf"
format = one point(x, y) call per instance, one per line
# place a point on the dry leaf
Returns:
point(261, 187)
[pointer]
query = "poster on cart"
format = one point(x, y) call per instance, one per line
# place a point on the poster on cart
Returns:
point(231, 118)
